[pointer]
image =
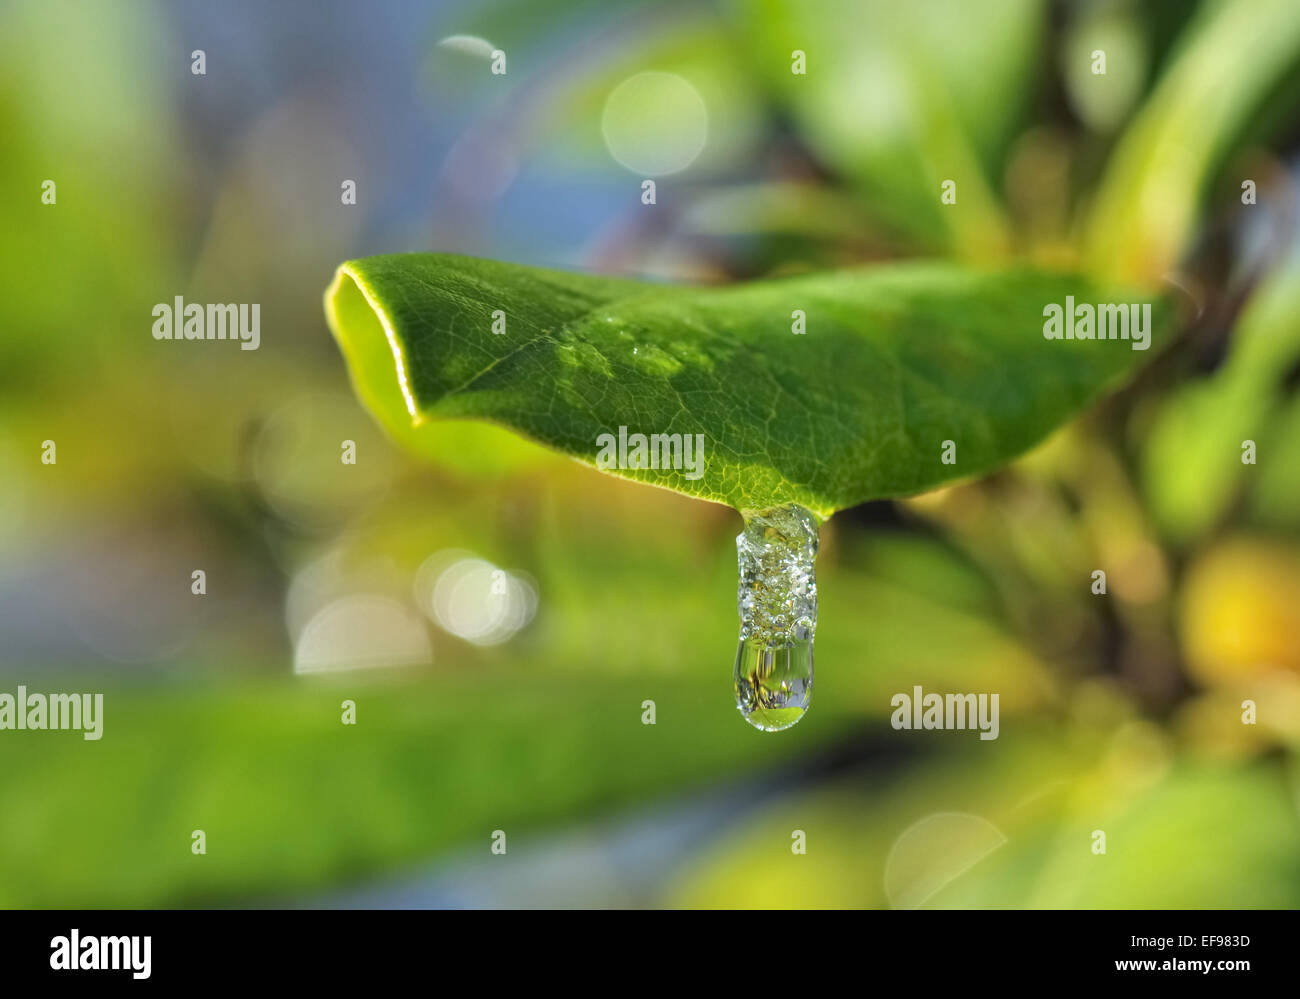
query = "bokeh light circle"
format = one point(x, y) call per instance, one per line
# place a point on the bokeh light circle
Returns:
point(655, 123)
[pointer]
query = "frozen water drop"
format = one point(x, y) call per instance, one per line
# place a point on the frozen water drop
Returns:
point(778, 617)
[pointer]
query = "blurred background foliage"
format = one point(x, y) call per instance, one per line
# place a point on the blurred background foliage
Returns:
point(499, 614)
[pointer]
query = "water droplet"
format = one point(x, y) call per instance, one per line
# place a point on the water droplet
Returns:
point(651, 359)
point(690, 354)
point(778, 616)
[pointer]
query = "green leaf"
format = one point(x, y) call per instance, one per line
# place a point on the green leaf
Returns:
point(895, 361)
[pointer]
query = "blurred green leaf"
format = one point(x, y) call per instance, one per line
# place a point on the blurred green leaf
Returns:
point(896, 361)
point(291, 799)
point(1273, 500)
point(1205, 837)
point(1191, 460)
point(77, 108)
point(1236, 56)
point(898, 98)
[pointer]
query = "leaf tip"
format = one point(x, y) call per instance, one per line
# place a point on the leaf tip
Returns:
point(356, 315)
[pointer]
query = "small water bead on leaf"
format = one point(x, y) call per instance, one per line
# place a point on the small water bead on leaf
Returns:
point(777, 599)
